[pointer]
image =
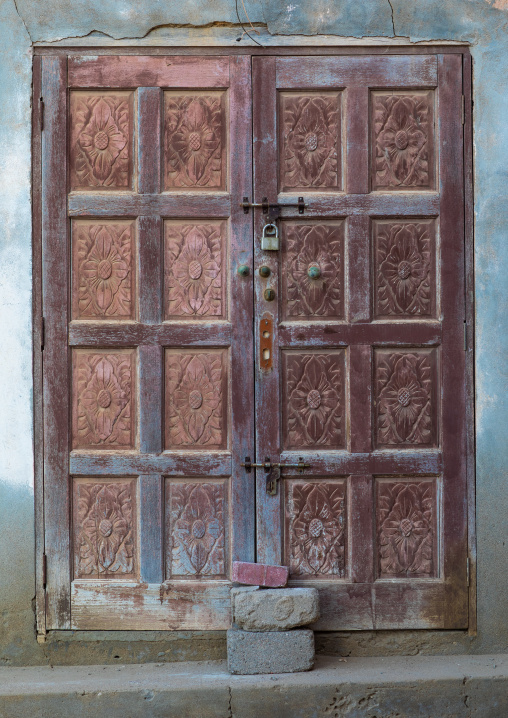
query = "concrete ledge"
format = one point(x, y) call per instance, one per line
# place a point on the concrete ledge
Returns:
point(416, 687)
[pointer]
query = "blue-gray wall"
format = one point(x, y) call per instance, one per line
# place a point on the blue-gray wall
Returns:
point(483, 24)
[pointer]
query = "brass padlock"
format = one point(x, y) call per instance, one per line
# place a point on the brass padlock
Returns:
point(270, 237)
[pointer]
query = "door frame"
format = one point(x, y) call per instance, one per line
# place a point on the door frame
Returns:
point(37, 318)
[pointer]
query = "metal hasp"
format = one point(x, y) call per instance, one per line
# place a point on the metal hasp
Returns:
point(273, 209)
point(273, 471)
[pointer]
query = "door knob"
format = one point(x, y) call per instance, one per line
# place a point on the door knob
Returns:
point(243, 270)
point(314, 271)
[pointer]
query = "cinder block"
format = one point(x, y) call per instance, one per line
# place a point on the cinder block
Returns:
point(260, 574)
point(277, 609)
point(250, 653)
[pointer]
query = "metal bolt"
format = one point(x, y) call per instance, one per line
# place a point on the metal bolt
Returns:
point(269, 295)
point(264, 271)
point(243, 270)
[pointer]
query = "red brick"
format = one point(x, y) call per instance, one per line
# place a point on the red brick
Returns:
point(260, 574)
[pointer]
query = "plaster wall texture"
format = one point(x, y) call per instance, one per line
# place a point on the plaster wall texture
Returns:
point(484, 24)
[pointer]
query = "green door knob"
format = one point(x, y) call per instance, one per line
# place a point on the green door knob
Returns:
point(243, 270)
point(314, 272)
point(264, 271)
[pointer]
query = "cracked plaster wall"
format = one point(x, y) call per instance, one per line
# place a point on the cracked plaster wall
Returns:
point(484, 24)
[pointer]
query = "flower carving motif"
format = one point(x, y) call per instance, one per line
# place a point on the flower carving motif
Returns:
point(314, 246)
point(193, 141)
point(406, 526)
point(404, 399)
point(315, 400)
point(103, 268)
point(403, 269)
point(104, 530)
point(194, 413)
point(102, 387)
point(311, 132)
point(316, 529)
point(402, 124)
point(101, 131)
point(193, 270)
point(196, 529)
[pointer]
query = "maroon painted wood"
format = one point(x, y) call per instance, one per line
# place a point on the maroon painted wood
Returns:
point(145, 438)
point(55, 261)
point(378, 522)
point(380, 515)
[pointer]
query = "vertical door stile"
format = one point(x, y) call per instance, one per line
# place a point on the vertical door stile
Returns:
point(452, 354)
point(150, 357)
point(241, 307)
point(55, 269)
point(267, 381)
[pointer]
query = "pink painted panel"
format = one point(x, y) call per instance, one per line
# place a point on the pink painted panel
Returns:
point(104, 399)
point(310, 141)
point(313, 400)
point(196, 399)
point(402, 140)
point(195, 264)
point(101, 132)
point(103, 268)
point(404, 268)
point(196, 529)
point(405, 391)
point(406, 517)
point(195, 140)
point(105, 529)
point(315, 528)
point(310, 250)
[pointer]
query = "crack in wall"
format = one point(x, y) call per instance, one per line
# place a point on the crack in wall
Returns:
point(393, 20)
point(163, 26)
point(22, 20)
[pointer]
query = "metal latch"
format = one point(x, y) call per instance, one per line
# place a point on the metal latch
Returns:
point(273, 471)
point(272, 209)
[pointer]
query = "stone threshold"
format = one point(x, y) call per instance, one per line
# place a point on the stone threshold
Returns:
point(393, 687)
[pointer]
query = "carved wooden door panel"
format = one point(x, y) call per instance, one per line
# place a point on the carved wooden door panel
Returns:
point(145, 161)
point(366, 378)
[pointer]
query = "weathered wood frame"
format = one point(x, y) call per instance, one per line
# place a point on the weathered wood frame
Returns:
point(38, 327)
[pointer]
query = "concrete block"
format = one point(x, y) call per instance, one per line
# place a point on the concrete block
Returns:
point(250, 653)
point(260, 574)
point(277, 609)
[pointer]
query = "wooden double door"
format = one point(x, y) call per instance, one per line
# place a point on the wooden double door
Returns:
point(175, 346)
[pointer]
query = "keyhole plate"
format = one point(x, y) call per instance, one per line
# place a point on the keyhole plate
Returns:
point(266, 342)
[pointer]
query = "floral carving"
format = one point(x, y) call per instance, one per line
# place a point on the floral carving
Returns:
point(104, 530)
point(314, 407)
point(100, 140)
point(103, 400)
point(196, 529)
point(311, 129)
point(193, 141)
point(403, 141)
point(406, 527)
point(315, 248)
point(405, 411)
point(403, 258)
point(193, 270)
point(102, 270)
point(194, 400)
point(316, 529)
